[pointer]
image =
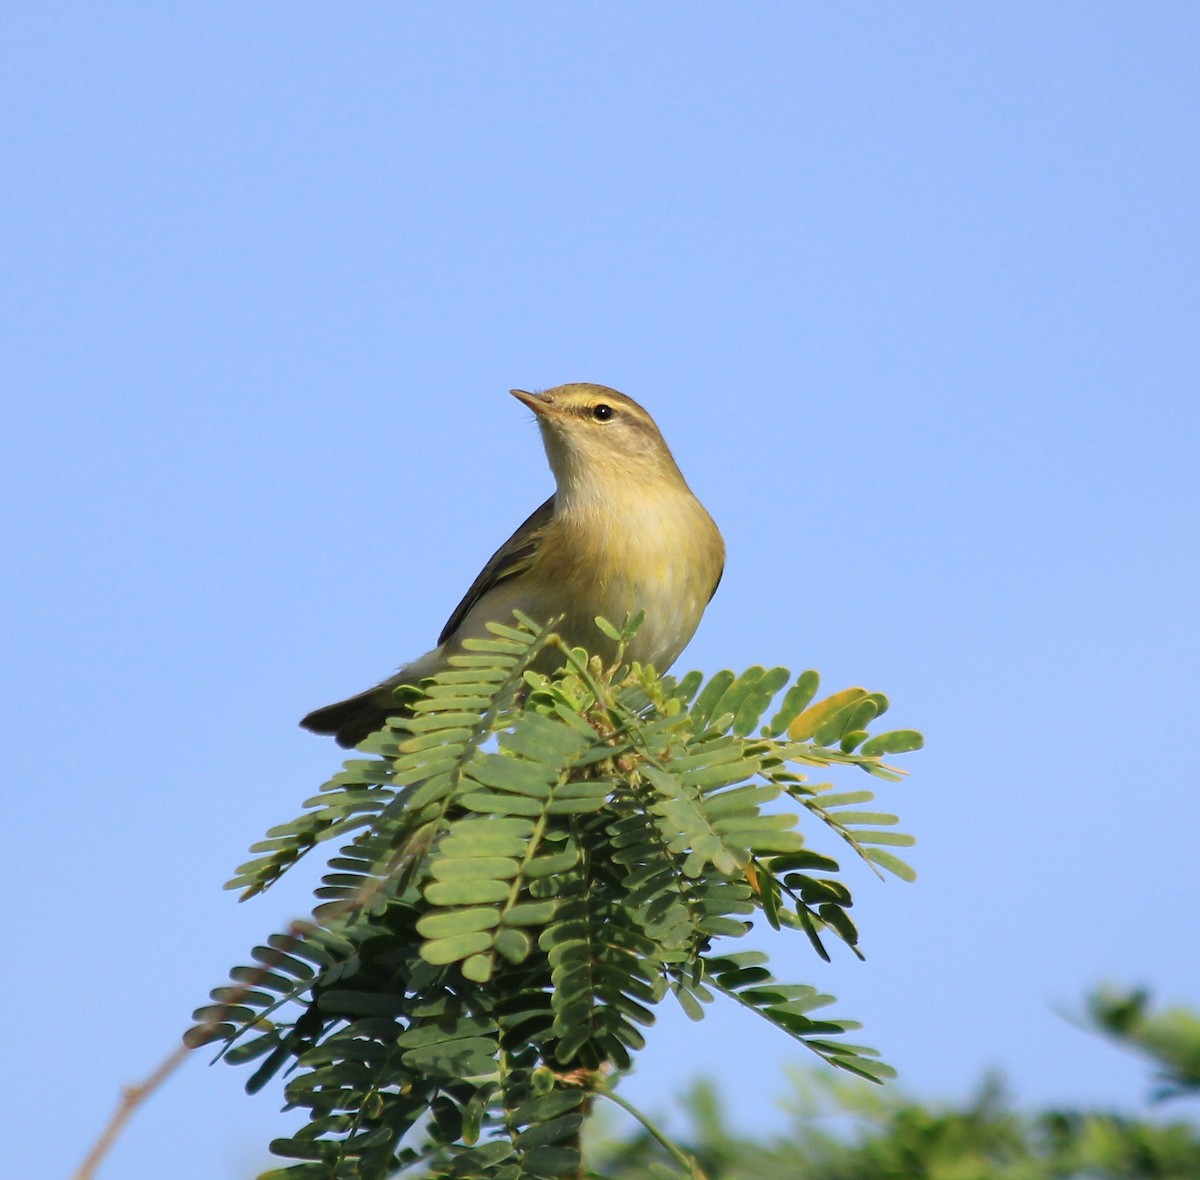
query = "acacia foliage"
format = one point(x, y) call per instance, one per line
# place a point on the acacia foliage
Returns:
point(846, 1130)
point(529, 864)
point(1169, 1036)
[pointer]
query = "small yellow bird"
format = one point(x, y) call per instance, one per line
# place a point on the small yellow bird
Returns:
point(622, 533)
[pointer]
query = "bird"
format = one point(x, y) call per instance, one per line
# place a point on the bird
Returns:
point(622, 533)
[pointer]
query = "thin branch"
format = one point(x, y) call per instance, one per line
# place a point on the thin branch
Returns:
point(201, 1034)
point(680, 1157)
point(133, 1097)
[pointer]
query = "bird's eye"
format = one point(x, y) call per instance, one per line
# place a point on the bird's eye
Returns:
point(603, 412)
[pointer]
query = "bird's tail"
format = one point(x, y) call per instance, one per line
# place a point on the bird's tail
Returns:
point(353, 719)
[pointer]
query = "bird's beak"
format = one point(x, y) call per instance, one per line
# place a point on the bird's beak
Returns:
point(539, 403)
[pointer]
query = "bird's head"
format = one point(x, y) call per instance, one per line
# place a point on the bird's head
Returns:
point(598, 440)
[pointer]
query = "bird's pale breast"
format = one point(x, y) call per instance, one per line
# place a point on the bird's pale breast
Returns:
point(663, 558)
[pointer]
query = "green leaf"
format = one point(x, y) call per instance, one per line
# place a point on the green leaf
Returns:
point(864, 712)
point(836, 725)
point(546, 1107)
point(897, 839)
point(512, 774)
point(530, 913)
point(514, 945)
point(551, 1161)
point(470, 837)
point(551, 1131)
point(844, 798)
point(454, 949)
point(893, 864)
point(898, 741)
point(472, 891)
point(806, 725)
point(687, 687)
point(553, 864)
point(769, 898)
point(804, 859)
point(445, 923)
point(712, 692)
point(806, 924)
point(689, 1003)
point(865, 818)
point(299, 1149)
point(492, 804)
point(491, 868)
point(837, 919)
point(795, 701)
point(454, 1059)
point(477, 968)
point(852, 738)
point(608, 629)
point(343, 1002)
point(747, 714)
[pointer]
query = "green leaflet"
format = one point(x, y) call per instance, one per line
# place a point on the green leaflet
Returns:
point(451, 950)
point(473, 867)
point(449, 1057)
point(469, 891)
point(865, 818)
point(494, 803)
point(899, 741)
point(513, 774)
point(754, 702)
point(795, 701)
point(549, 866)
point(893, 864)
point(546, 1107)
point(826, 716)
point(685, 689)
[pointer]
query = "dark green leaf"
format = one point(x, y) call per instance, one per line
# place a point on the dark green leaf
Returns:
point(360, 1003)
point(551, 1161)
point(805, 859)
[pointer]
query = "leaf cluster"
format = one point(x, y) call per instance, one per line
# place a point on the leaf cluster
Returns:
point(529, 864)
point(848, 1131)
point(1170, 1037)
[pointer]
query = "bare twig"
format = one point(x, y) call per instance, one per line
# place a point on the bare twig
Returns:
point(201, 1034)
point(131, 1098)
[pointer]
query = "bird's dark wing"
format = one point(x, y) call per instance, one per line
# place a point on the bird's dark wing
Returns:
point(512, 558)
point(717, 583)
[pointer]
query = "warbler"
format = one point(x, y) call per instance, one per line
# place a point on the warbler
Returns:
point(621, 534)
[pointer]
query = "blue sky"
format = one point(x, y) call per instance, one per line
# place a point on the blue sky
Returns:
point(912, 292)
